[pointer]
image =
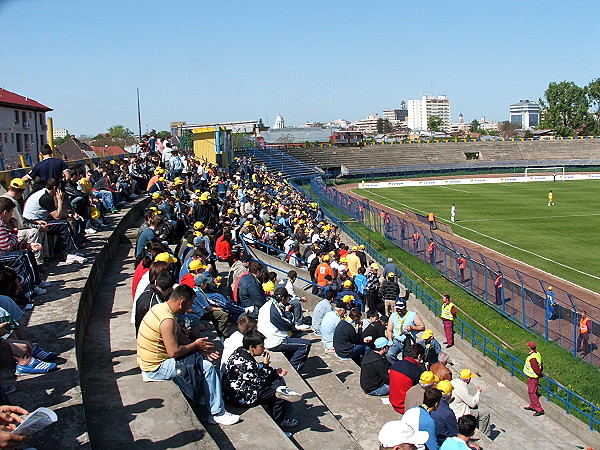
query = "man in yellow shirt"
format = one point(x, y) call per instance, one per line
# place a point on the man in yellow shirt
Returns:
point(163, 350)
point(550, 199)
point(353, 262)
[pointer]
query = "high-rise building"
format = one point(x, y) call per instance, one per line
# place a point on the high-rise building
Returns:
point(59, 132)
point(525, 114)
point(419, 112)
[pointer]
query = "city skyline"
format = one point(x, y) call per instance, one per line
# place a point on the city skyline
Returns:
point(307, 62)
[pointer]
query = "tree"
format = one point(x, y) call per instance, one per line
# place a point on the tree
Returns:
point(119, 131)
point(387, 126)
point(508, 129)
point(593, 93)
point(566, 108)
point(475, 125)
point(61, 140)
point(188, 140)
point(380, 126)
point(434, 123)
point(163, 135)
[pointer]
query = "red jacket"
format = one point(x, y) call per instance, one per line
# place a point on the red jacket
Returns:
point(140, 270)
point(223, 249)
point(404, 374)
point(188, 280)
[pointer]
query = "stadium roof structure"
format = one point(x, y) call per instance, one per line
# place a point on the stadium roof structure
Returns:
point(297, 135)
point(10, 99)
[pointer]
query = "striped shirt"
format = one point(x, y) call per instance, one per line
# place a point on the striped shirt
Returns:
point(8, 241)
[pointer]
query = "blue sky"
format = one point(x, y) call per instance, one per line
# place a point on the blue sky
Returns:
point(206, 62)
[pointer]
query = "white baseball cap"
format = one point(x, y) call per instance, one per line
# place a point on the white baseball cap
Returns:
point(399, 432)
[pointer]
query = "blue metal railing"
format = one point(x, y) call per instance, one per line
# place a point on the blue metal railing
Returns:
point(552, 390)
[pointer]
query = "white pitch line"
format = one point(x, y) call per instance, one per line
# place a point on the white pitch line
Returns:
point(528, 218)
point(454, 189)
point(500, 241)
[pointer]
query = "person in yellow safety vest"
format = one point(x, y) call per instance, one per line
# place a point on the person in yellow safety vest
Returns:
point(448, 316)
point(431, 251)
point(533, 371)
point(431, 219)
point(585, 325)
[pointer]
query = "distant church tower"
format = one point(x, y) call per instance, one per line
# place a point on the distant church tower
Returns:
point(279, 123)
point(461, 119)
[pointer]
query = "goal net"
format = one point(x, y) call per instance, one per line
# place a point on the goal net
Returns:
point(547, 173)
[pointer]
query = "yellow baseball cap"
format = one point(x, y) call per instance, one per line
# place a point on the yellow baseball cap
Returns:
point(198, 225)
point(156, 195)
point(196, 264)
point(325, 257)
point(466, 374)
point(428, 377)
point(374, 266)
point(348, 283)
point(355, 248)
point(445, 386)
point(204, 196)
point(17, 183)
point(347, 298)
point(427, 334)
point(166, 257)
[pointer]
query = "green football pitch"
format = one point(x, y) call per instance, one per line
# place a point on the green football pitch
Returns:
point(515, 219)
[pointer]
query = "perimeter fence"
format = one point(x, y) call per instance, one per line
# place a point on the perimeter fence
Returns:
point(529, 301)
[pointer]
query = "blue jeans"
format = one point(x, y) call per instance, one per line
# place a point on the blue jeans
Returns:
point(211, 384)
point(107, 199)
point(294, 349)
point(381, 391)
point(297, 310)
point(392, 354)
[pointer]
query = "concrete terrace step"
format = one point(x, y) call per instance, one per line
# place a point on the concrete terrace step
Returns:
point(336, 383)
point(318, 426)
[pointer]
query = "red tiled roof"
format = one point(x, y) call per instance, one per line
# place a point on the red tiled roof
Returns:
point(10, 98)
point(112, 150)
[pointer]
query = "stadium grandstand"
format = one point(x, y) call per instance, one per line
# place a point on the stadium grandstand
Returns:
point(246, 239)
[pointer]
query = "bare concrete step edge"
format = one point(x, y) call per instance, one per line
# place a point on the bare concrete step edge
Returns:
point(101, 261)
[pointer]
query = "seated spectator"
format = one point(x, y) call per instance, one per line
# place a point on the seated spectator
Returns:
point(329, 324)
point(162, 350)
point(158, 291)
point(203, 310)
point(404, 374)
point(250, 293)
point(47, 205)
point(464, 403)
point(322, 308)
point(375, 328)
point(398, 435)
point(195, 267)
point(275, 321)
point(295, 300)
point(347, 339)
point(466, 429)
point(402, 329)
point(245, 325)
point(419, 417)
point(223, 248)
point(247, 383)
point(34, 233)
point(375, 369)
point(414, 396)
point(440, 368)
point(432, 348)
point(446, 425)
point(19, 254)
point(155, 221)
